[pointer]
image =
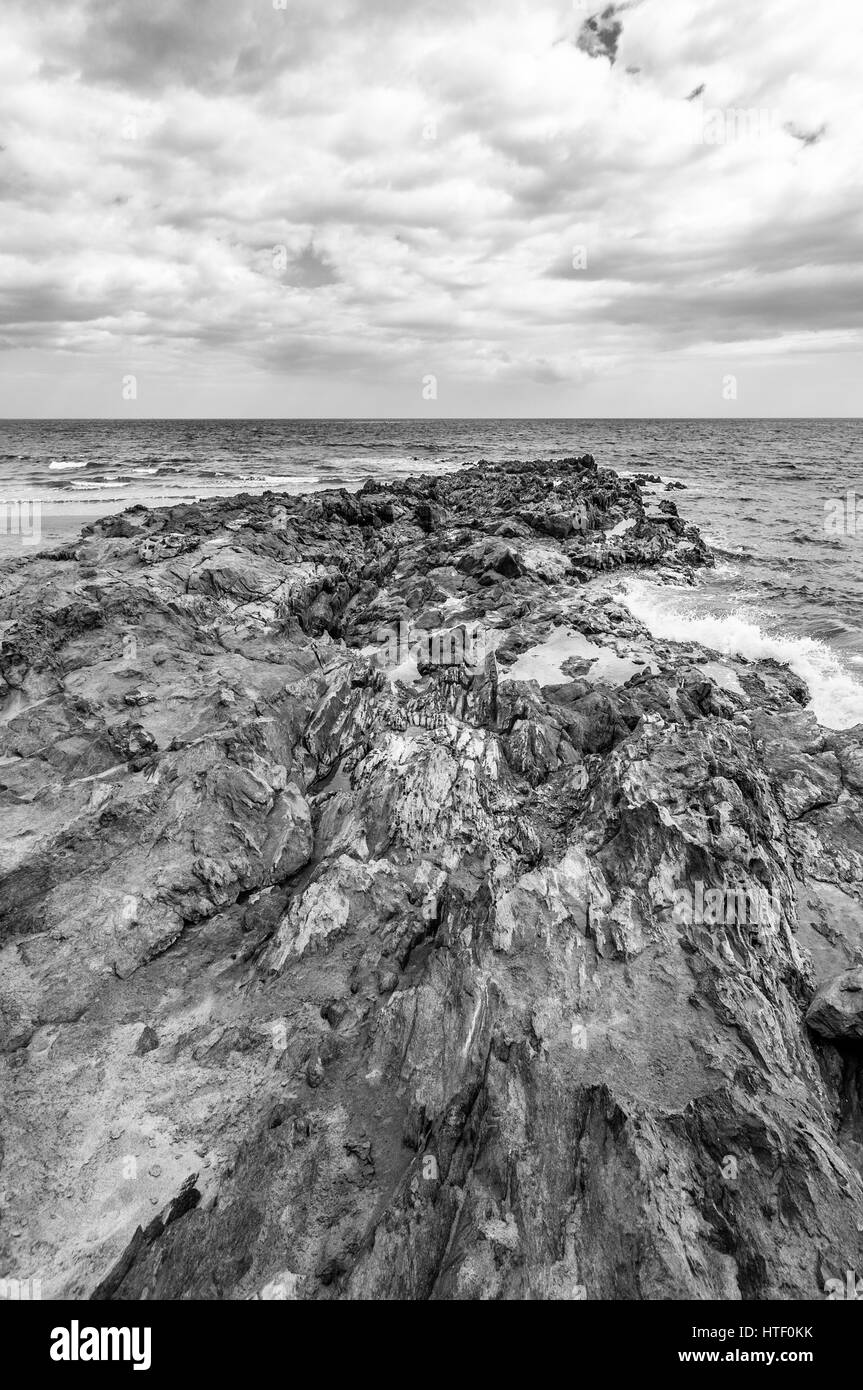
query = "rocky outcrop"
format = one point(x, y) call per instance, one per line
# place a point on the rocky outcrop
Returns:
point(385, 914)
point(836, 1012)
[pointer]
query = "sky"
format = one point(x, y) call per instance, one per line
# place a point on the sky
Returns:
point(388, 208)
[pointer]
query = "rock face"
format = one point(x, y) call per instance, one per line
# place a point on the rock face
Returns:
point(836, 1012)
point(384, 914)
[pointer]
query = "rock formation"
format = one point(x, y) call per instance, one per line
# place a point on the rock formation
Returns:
point(384, 914)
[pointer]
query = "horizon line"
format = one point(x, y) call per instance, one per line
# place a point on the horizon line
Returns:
point(389, 419)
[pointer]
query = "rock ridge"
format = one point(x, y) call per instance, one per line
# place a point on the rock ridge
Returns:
point(384, 913)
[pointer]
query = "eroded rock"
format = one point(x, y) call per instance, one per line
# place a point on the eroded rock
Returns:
point(836, 1012)
point(457, 985)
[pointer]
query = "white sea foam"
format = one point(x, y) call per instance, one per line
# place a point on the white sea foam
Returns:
point(57, 464)
point(720, 540)
point(836, 697)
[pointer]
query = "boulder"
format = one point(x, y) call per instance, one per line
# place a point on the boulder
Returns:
point(836, 1011)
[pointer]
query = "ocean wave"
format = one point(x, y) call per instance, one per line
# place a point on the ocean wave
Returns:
point(821, 628)
point(836, 696)
point(396, 464)
point(98, 487)
point(800, 537)
point(58, 464)
point(728, 551)
point(270, 480)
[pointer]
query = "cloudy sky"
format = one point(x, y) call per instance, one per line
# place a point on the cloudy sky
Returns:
point(383, 207)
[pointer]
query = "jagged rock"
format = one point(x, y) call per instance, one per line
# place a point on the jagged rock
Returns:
point(491, 558)
point(139, 697)
point(147, 1042)
point(836, 1012)
point(428, 518)
point(548, 564)
point(463, 985)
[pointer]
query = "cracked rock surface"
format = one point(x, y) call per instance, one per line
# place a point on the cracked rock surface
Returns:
point(336, 968)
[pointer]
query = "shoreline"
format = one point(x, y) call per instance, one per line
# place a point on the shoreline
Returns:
point(829, 668)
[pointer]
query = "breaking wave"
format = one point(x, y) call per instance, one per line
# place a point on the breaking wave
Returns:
point(836, 696)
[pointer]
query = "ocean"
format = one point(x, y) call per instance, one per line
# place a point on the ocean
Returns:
point(775, 499)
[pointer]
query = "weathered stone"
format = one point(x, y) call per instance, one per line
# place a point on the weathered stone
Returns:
point(147, 1042)
point(462, 985)
point(836, 1012)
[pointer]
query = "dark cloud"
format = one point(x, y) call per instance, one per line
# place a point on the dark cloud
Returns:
point(599, 35)
point(806, 137)
point(309, 270)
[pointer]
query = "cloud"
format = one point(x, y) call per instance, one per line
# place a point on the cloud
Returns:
point(307, 269)
point(599, 35)
point(807, 137)
point(521, 197)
